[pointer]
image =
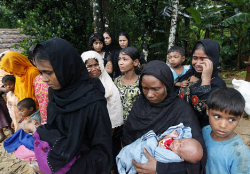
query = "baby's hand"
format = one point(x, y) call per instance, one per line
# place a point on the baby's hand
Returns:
point(161, 145)
point(174, 134)
point(184, 83)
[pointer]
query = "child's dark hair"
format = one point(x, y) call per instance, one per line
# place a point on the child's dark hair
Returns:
point(228, 100)
point(27, 103)
point(8, 78)
point(93, 37)
point(131, 52)
point(177, 49)
point(31, 53)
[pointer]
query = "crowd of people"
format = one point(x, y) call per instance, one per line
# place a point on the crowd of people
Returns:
point(109, 111)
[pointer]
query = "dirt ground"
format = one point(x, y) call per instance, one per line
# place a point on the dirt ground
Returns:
point(10, 165)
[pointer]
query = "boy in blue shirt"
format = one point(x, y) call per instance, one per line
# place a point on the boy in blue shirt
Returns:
point(176, 56)
point(226, 152)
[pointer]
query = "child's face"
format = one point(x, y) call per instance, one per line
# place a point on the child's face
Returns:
point(222, 124)
point(179, 146)
point(30, 125)
point(126, 63)
point(25, 112)
point(175, 59)
point(9, 85)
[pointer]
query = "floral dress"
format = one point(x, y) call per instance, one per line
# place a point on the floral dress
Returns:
point(193, 99)
point(41, 94)
point(128, 94)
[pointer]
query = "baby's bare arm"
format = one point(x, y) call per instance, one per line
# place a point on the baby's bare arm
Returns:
point(174, 134)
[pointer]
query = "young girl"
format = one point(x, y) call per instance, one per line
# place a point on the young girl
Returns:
point(128, 84)
point(96, 43)
point(124, 41)
point(9, 84)
point(41, 89)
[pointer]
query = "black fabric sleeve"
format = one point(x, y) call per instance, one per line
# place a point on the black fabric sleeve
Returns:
point(96, 155)
point(171, 168)
point(188, 117)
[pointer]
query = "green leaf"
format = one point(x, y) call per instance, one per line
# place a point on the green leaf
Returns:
point(236, 19)
point(195, 14)
point(237, 2)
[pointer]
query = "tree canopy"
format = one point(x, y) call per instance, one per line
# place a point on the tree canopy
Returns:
point(147, 22)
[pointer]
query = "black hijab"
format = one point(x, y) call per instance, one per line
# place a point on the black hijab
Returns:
point(146, 116)
point(109, 48)
point(212, 49)
point(73, 77)
point(66, 108)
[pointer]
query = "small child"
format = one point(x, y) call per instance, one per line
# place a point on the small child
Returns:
point(27, 109)
point(182, 148)
point(33, 149)
point(9, 84)
point(188, 149)
point(227, 153)
point(176, 56)
point(5, 119)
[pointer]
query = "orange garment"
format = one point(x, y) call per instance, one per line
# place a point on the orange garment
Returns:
point(12, 105)
point(25, 73)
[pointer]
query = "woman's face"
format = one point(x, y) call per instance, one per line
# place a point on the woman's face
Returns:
point(48, 74)
point(153, 89)
point(98, 45)
point(93, 68)
point(197, 60)
point(107, 39)
point(123, 41)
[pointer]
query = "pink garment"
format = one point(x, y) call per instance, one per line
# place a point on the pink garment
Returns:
point(41, 149)
point(41, 94)
point(24, 153)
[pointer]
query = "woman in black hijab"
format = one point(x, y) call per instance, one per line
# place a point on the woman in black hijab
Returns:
point(157, 109)
point(76, 108)
point(202, 78)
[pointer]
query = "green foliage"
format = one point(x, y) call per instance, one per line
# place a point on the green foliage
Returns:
point(236, 19)
point(147, 22)
point(7, 19)
point(46, 19)
point(195, 14)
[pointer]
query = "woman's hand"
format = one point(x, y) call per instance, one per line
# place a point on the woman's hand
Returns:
point(206, 72)
point(147, 168)
point(109, 67)
point(37, 170)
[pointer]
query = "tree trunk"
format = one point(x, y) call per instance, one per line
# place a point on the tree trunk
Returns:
point(145, 44)
point(173, 25)
point(187, 26)
point(105, 10)
point(207, 33)
point(238, 63)
point(97, 15)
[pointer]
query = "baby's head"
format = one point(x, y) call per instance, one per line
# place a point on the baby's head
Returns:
point(26, 107)
point(188, 149)
point(29, 125)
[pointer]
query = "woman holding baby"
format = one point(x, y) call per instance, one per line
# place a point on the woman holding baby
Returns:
point(157, 109)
